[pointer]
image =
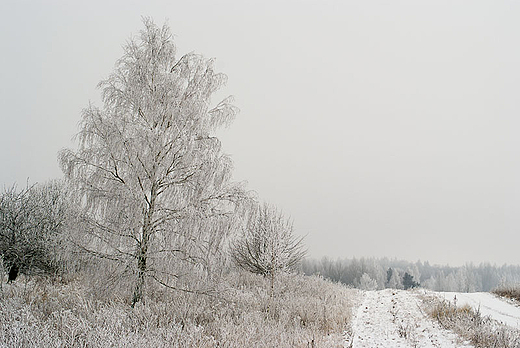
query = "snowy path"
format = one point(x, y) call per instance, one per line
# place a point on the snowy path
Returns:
point(392, 318)
point(489, 304)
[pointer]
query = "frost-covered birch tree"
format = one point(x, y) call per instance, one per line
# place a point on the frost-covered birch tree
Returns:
point(149, 172)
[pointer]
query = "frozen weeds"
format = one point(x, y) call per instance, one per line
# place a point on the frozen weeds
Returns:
point(489, 304)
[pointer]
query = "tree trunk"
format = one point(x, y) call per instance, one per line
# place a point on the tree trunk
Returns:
point(142, 253)
point(141, 270)
point(13, 273)
point(271, 294)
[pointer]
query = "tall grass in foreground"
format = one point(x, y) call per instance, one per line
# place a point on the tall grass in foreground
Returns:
point(305, 312)
point(481, 331)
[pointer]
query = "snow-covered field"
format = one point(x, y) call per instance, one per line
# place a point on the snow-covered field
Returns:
point(489, 305)
point(394, 318)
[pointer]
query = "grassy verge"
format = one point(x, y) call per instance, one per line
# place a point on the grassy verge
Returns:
point(508, 291)
point(305, 312)
point(469, 324)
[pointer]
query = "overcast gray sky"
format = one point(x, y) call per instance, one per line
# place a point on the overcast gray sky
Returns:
point(383, 128)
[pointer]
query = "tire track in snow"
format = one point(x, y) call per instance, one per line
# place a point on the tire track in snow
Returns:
point(392, 318)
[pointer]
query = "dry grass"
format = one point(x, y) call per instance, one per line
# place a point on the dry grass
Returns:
point(468, 323)
point(508, 291)
point(306, 312)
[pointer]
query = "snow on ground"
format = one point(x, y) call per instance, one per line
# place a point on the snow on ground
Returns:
point(393, 318)
point(498, 309)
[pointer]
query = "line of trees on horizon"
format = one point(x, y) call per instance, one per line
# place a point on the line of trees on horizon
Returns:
point(382, 273)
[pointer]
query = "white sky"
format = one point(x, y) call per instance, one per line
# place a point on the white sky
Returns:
point(383, 128)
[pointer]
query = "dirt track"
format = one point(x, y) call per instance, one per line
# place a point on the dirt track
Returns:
point(393, 318)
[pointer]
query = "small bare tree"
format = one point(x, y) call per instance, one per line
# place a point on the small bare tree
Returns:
point(268, 245)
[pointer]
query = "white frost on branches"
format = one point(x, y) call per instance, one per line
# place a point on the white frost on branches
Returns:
point(149, 172)
point(268, 245)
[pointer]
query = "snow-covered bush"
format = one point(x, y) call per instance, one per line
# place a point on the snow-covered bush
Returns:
point(268, 245)
point(32, 221)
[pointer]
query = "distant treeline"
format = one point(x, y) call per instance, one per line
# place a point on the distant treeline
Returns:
point(372, 273)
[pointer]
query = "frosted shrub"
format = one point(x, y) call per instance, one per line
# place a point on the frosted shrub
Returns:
point(267, 245)
point(32, 222)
